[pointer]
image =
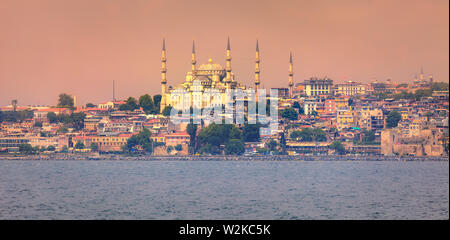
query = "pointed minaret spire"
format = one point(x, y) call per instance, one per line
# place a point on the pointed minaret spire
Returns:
point(421, 77)
point(163, 75)
point(194, 61)
point(228, 65)
point(291, 75)
point(257, 71)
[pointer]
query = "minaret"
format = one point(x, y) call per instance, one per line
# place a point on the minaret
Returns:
point(291, 75)
point(163, 76)
point(228, 67)
point(257, 60)
point(114, 92)
point(193, 57)
point(421, 75)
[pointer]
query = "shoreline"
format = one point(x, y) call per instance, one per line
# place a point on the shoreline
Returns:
point(120, 157)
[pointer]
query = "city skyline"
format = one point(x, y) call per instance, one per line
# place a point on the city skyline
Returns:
point(80, 47)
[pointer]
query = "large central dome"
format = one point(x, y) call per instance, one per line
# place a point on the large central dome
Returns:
point(210, 66)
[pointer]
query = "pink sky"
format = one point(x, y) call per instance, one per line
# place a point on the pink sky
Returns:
point(79, 46)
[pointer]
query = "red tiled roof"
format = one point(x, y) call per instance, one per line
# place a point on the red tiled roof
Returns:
point(178, 134)
point(52, 110)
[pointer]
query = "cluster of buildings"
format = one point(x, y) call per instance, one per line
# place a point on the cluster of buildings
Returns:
point(345, 111)
point(107, 127)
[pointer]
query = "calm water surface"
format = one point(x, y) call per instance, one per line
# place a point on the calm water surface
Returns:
point(223, 190)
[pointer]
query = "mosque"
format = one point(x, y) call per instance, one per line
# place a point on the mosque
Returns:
point(208, 76)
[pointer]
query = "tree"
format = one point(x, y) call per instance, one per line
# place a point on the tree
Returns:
point(166, 111)
point(234, 147)
point(402, 85)
point(234, 132)
point(62, 129)
point(94, 147)
point(79, 145)
point(125, 107)
point(157, 102)
point(262, 150)
point(14, 104)
point(211, 149)
point(132, 102)
point(38, 124)
point(26, 148)
point(51, 148)
point(309, 135)
point(90, 105)
point(169, 149)
point(192, 131)
point(179, 147)
point(36, 149)
point(64, 149)
point(212, 137)
point(52, 117)
point(1, 116)
point(251, 132)
point(296, 105)
point(272, 145)
point(18, 116)
point(283, 143)
point(146, 103)
point(368, 136)
point(142, 139)
point(65, 101)
point(129, 105)
point(268, 107)
point(289, 113)
point(338, 147)
point(392, 119)
point(439, 86)
point(420, 93)
point(77, 120)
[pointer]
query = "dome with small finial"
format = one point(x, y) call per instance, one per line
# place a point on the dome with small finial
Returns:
point(210, 66)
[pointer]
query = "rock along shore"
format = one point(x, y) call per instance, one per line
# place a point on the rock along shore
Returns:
point(121, 157)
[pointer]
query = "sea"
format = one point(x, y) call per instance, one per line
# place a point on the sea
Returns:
point(115, 189)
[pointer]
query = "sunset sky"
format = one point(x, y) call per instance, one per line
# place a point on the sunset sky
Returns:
point(80, 46)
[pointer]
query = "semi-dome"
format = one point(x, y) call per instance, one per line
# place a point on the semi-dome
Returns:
point(210, 66)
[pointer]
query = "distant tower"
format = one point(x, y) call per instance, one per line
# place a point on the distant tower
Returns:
point(416, 80)
point(163, 75)
point(421, 75)
point(257, 60)
point(74, 101)
point(431, 78)
point(194, 61)
point(291, 76)
point(228, 67)
point(114, 92)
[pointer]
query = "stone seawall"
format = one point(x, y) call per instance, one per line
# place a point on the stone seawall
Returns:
point(119, 157)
